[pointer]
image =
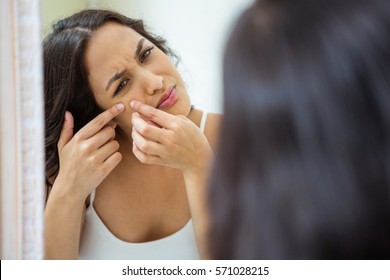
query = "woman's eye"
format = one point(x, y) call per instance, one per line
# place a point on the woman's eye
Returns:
point(121, 86)
point(145, 54)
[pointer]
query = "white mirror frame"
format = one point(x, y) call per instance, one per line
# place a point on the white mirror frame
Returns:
point(22, 131)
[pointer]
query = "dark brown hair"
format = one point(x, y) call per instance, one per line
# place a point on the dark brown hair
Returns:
point(302, 170)
point(66, 85)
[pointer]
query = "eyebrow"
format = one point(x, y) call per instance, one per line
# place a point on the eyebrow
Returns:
point(116, 76)
point(139, 47)
point(119, 75)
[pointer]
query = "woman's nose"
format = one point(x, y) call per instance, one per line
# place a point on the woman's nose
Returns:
point(152, 82)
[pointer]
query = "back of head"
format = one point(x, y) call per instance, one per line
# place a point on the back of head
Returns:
point(304, 157)
point(65, 75)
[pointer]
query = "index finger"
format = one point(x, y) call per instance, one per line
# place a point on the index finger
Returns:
point(157, 116)
point(100, 121)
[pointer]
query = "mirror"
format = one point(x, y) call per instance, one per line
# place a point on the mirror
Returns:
point(196, 31)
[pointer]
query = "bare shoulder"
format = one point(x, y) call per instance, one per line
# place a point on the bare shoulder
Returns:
point(212, 127)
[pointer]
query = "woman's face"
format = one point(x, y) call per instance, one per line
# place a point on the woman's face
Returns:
point(124, 66)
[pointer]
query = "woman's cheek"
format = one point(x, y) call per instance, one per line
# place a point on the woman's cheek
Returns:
point(124, 120)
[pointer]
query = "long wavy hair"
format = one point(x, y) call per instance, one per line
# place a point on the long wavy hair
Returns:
point(65, 77)
point(303, 166)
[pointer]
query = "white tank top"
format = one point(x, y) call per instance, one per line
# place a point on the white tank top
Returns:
point(97, 242)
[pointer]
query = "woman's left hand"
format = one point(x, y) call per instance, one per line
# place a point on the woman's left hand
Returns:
point(169, 140)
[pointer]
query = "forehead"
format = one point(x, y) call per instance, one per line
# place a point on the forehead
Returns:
point(111, 43)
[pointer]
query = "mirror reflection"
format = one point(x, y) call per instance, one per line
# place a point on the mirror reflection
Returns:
point(132, 115)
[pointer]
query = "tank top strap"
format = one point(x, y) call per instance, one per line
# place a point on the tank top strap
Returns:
point(203, 121)
point(91, 199)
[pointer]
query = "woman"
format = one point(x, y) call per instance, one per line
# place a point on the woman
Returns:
point(126, 161)
point(303, 168)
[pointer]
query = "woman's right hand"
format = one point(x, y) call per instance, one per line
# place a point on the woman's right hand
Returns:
point(87, 157)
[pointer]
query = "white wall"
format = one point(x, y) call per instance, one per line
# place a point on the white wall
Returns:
point(195, 29)
point(52, 10)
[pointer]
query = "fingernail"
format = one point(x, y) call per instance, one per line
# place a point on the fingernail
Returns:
point(132, 104)
point(120, 106)
point(66, 116)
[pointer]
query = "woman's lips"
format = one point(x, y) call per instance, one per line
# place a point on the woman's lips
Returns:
point(168, 100)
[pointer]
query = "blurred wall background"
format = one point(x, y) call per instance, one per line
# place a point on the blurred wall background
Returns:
point(195, 29)
point(52, 10)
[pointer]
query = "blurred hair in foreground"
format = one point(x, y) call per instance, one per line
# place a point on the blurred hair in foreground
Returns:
point(303, 167)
